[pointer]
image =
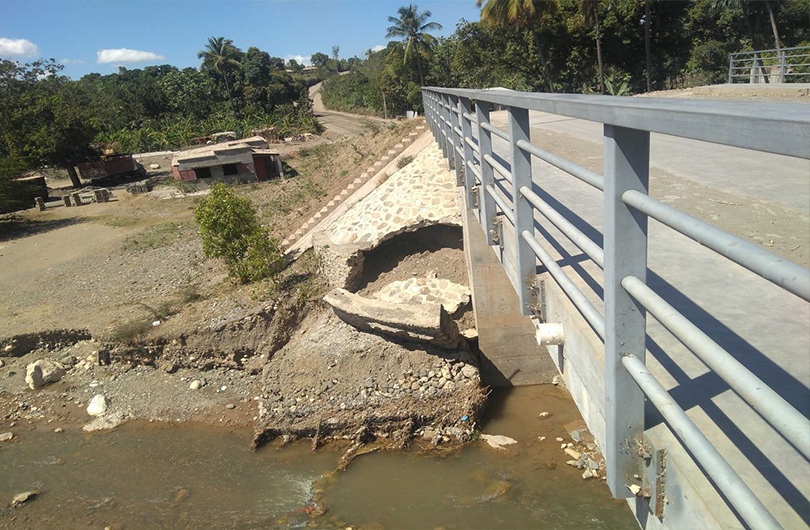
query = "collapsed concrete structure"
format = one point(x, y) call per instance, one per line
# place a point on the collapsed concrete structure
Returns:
point(246, 159)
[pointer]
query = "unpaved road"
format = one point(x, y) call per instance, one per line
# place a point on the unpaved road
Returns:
point(342, 123)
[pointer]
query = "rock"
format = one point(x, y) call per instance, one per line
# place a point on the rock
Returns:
point(97, 406)
point(195, 385)
point(105, 423)
point(576, 436)
point(154, 166)
point(42, 372)
point(587, 474)
point(230, 406)
point(59, 430)
point(559, 439)
point(498, 441)
point(573, 453)
point(168, 366)
point(6, 436)
point(23, 497)
point(544, 415)
point(2, 363)
point(592, 465)
point(469, 371)
point(634, 489)
point(556, 380)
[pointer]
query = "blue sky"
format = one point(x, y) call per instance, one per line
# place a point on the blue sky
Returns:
point(98, 35)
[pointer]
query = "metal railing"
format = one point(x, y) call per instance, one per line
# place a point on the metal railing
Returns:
point(770, 66)
point(627, 207)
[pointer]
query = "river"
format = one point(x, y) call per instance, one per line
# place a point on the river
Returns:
point(143, 476)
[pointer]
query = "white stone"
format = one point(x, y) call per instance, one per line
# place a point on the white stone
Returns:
point(498, 441)
point(154, 166)
point(544, 415)
point(6, 436)
point(195, 385)
point(97, 406)
point(2, 363)
point(634, 489)
point(41, 372)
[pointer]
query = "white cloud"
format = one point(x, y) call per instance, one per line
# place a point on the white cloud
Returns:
point(18, 47)
point(300, 59)
point(72, 61)
point(378, 48)
point(125, 55)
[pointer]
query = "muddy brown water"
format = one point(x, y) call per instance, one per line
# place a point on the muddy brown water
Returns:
point(188, 476)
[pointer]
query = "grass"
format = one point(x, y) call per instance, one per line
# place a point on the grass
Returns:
point(156, 236)
point(404, 161)
point(134, 329)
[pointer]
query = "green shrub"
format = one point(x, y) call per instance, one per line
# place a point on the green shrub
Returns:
point(404, 161)
point(229, 229)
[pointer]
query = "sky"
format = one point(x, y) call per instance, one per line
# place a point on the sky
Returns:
point(99, 35)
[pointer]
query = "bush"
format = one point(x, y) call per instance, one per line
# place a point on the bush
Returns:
point(230, 230)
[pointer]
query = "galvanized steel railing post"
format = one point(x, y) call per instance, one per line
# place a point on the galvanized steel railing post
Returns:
point(466, 129)
point(731, 68)
point(458, 142)
point(782, 66)
point(448, 130)
point(525, 259)
point(626, 167)
point(486, 204)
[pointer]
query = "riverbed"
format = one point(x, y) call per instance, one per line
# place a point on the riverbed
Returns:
point(186, 476)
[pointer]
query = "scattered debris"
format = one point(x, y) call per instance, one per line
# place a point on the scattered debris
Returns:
point(498, 441)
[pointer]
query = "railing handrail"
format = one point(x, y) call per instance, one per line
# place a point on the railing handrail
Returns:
point(780, 128)
point(628, 123)
point(754, 52)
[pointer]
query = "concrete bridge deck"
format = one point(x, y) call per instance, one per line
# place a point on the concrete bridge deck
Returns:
point(760, 197)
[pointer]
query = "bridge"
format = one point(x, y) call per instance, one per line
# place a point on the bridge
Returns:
point(685, 347)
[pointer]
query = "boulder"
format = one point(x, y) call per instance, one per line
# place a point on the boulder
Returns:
point(97, 406)
point(498, 441)
point(42, 372)
point(418, 322)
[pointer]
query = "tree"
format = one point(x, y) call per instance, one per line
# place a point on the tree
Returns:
point(647, 49)
point(229, 229)
point(44, 117)
point(336, 57)
point(413, 27)
point(321, 60)
point(520, 13)
point(590, 10)
point(221, 55)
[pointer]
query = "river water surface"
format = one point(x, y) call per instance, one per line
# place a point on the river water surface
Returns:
point(142, 476)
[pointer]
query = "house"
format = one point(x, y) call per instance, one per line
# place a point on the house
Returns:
point(246, 159)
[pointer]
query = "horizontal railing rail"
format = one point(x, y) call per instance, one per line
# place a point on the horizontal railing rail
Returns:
point(774, 65)
point(460, 121)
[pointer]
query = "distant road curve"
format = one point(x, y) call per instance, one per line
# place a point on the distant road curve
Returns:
point(342, 123)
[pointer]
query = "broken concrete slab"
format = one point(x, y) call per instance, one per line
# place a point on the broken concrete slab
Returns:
point(418, 322)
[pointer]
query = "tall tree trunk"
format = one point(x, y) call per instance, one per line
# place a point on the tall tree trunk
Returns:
point(647, 50)
point(773, 26)
point(599, 51)
point(74, 177)
point(419, 67)
point(228, 89)
point(546, 71)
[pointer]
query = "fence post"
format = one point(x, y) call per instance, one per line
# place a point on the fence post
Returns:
point(756, 68)
point(469, 155)
point(448, 138)
point(486, 204)
point(730, 68)
point(782, 66)
point(458, 166)
point(525, 260)
point(626, 167)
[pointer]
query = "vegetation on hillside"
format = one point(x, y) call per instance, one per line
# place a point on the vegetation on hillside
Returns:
point(576, 46)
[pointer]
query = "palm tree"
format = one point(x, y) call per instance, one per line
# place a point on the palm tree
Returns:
point(335, 56)
point(521, 13)
point(220, 54)
point(413, 27)
point(590, 9)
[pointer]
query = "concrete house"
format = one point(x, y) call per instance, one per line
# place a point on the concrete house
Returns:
point(246, 159)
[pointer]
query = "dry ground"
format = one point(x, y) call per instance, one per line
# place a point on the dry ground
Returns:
point(100, 266)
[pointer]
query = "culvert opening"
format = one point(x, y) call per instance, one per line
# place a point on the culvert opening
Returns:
point(436, 248)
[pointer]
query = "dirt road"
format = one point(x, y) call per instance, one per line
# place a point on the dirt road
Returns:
point(342, 123)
